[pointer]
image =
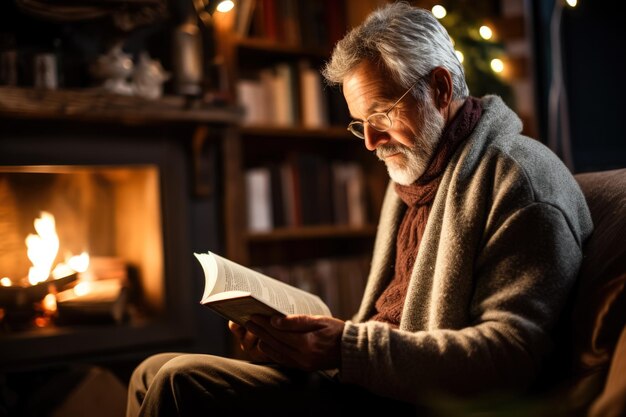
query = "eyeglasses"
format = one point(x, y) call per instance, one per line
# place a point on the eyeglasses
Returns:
point(379, 121)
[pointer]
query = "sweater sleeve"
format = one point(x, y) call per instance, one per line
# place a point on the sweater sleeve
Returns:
point(522, 275)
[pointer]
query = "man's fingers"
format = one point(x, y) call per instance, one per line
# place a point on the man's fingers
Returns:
point(278, 340)
point(277, 355)
point(291, 323)
point(236, 329)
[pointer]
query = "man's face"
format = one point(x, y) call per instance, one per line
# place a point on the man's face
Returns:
point(407, 147)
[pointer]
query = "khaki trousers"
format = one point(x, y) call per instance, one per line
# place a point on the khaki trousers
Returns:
point(173, 384)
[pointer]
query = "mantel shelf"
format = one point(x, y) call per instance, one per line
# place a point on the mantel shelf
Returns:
point(97, 105)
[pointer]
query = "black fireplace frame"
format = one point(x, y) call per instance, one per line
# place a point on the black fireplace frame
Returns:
point(190, 211)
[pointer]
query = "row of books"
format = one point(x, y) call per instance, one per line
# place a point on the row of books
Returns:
point(290, 94)
point(339, 282)
point(305, 190)
point(305, 23)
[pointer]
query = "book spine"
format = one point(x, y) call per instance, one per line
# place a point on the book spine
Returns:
point(259, 199)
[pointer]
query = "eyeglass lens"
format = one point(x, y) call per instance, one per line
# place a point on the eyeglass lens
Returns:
point(379, 121)
point(357, 129)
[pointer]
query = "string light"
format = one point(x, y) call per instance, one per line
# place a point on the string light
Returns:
point(485, 32)
point(475, 41)
point(439, 11)
point(497, 65)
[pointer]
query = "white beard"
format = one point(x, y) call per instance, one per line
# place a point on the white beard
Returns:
point(407, 167)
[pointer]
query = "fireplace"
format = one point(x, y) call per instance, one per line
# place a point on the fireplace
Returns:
point(133, 199)
point(94, 251)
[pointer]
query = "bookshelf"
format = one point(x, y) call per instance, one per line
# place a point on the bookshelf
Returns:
point(317, 232)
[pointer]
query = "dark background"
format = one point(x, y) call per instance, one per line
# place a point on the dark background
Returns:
point(593, 51)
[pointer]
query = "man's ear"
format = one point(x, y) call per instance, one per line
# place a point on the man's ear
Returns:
point(442, 87)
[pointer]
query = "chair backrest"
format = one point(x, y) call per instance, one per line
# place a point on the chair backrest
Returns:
point(599, 306)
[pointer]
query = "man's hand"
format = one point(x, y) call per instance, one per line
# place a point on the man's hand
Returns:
point(248, 342)
point(300, 341)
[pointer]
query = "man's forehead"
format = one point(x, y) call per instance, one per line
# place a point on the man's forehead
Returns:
point(362, 82)
point(365, 73)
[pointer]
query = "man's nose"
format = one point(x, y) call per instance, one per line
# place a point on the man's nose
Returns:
point(374, 138)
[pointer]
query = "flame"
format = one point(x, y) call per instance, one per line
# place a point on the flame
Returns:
point(42, 248)
point(82, 288)
point(79, 263)
point(61, 270)
point(76, 263)
point(49, 303)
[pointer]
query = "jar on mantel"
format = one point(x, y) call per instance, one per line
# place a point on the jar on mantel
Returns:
point(187, 59)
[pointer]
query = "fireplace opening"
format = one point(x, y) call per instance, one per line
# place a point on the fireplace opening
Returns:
point(82, 246)
point(123, 196)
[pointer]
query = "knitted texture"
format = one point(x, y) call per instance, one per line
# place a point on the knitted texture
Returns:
point(419, 197)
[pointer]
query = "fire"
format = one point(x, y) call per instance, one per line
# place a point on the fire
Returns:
point(42, 248)
point(82, 288)
point(42, 251)
point(79, 263)
point(49, 303)
point(76, 263)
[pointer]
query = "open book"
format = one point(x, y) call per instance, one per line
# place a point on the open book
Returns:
point(237, 292)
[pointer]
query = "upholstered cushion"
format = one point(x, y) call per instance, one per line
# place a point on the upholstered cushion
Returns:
point(600, 309)
point(599, 313)
point(612, 401)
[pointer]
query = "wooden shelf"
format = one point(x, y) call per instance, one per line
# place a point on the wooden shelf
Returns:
point(97, 105)
point(312, 232)
point(275, 48)
point(334, 132)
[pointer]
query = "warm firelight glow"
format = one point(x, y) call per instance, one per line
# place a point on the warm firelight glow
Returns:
point(79, 263)
point(42, 251)
point(76, 263)
point(62, 270)
point(42, 248)
point(225, 6)
point(49, 303)
point(6, 282)
point(97, 291)
point(82, 288)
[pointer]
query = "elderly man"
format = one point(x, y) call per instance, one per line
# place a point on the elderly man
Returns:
point(479, 243)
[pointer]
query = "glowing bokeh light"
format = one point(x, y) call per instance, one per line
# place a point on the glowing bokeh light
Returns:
point(225, 6)
point(497, 65)
point(485, 32)
point(439, 11)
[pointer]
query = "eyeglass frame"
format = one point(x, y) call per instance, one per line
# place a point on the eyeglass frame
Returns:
point(385, 113)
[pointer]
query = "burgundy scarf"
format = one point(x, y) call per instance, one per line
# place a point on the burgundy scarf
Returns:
point(419, 197)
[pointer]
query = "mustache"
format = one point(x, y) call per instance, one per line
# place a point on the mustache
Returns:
point(386, 150)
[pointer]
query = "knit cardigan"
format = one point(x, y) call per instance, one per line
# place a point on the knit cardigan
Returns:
point(500, 253)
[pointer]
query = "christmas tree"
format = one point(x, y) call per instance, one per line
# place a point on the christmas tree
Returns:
point(477, 45)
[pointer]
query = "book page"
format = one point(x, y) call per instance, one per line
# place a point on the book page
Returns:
point(224, 275)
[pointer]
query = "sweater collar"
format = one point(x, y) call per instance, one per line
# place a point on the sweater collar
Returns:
point(423, 190)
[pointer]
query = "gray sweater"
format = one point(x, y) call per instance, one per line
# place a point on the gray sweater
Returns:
point(500, 254)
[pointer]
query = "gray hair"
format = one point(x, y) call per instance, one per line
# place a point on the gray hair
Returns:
point(408, 42)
